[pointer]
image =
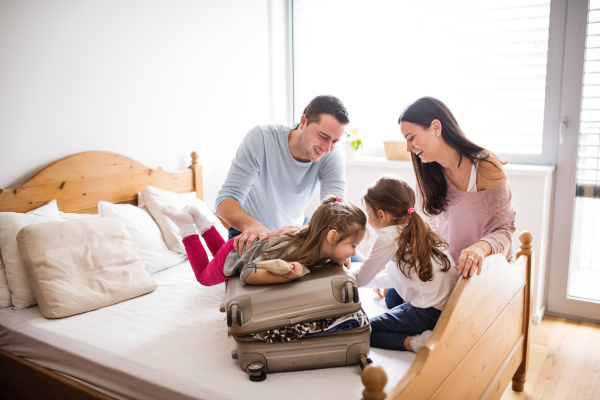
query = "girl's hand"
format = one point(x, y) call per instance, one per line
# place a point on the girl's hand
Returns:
point(471, 258)
point(348, 263)
point(381, 292)
point(293, 274)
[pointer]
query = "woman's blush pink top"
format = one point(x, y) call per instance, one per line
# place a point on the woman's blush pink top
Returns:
point(467, 218)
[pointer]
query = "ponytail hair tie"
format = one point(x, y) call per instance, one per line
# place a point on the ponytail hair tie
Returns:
point(339, 199)
point(411, 210)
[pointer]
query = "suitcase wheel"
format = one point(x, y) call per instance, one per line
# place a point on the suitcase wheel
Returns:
point(256, 372)
point(239, 317)
point(229, 318)
point(363, 361)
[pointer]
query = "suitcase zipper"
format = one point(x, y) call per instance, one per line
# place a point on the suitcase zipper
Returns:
point(359, 330)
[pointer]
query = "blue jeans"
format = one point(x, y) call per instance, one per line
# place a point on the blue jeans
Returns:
point(391, 328)
point(359, 257)
point(393, 299)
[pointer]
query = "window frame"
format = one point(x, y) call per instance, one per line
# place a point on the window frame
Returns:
point(554, 72)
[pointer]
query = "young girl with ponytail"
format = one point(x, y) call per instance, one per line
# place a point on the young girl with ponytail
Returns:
point(418, 267)
point(330, 237)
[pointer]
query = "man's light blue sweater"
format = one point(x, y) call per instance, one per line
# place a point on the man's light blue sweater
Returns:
point(271, 185)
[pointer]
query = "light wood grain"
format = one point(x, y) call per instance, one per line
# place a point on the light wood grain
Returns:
point(79, 181)
point(564, 362)
point(481, 339)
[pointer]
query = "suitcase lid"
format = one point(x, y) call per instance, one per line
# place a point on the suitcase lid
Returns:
point(324, 293)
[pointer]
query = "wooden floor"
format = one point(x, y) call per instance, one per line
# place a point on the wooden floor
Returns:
point(564, 363)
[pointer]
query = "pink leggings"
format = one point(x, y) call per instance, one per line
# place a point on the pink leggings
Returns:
point(208, 273)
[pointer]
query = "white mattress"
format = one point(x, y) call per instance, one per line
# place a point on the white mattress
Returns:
point(173, 344)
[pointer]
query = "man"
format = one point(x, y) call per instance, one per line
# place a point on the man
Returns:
point(276, 169)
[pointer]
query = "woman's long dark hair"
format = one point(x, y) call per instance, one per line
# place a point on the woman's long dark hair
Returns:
point(430, 176)
point(417, 244)
point(343, 216)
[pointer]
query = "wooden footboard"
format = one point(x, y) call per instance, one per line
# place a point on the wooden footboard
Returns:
point(481, 340)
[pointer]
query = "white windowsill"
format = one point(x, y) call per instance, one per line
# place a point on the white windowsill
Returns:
point(510, 169)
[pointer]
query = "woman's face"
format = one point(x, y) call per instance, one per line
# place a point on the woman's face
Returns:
point(425, 143)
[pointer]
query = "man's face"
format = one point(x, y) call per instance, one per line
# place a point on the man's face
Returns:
point(320, 138)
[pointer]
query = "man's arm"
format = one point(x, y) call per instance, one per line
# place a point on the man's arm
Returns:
point(232, 212)
point(244, 169)
point(333, 175)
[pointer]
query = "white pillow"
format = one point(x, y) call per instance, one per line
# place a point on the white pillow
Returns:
point(145, 235)
point(48, 209)
point(22, 295)
point(4, 290)
point(153, 198)
point(71, 216)
point(82, 265)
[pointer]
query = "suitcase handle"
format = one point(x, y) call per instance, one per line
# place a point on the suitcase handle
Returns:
point(345, 295)
point(346, 290)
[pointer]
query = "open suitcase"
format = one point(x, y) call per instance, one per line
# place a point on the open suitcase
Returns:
point(324, 293)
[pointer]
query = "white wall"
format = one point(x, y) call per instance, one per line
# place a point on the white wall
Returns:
point(153, 80)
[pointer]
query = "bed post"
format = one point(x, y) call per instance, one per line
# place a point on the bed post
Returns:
point(374, 378)
point(518, 381)
point(197, 177)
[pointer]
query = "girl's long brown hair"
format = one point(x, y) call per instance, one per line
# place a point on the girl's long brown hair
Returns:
point(417, 244)
point(430, 176)
point(346, 218)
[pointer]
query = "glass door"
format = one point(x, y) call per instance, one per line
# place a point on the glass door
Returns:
point(574, 287)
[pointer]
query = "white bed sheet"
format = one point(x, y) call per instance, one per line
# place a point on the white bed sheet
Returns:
point(173, 344)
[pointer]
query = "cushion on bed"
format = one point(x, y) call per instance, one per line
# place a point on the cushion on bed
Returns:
point(153, 198)
point(82, 265)
point(4, 290)
point(145, 235)
point(10, 224)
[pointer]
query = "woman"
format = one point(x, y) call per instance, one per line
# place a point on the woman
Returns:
point(462, 191)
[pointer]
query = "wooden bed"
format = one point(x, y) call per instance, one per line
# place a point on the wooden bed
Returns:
point(480, 343)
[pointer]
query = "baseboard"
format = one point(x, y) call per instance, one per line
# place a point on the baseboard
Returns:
point(538, 316)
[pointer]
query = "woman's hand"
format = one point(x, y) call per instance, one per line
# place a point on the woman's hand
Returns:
point(471, 258)
point(293, 274)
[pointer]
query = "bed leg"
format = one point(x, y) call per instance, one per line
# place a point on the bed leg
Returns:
point(374, 378)
point(518, 381)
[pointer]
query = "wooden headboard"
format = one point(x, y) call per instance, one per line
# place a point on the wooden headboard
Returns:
point(79, 181)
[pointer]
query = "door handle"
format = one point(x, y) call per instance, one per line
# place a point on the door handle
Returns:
point(561, 130)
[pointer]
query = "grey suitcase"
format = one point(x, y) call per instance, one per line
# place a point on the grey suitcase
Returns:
point(324, 293)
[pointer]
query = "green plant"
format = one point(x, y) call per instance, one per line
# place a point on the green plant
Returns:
point(354, 137)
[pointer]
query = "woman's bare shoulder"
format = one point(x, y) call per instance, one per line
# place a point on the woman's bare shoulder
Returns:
point(490, 173)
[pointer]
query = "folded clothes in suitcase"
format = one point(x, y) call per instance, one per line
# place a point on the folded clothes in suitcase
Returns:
point(327, 293)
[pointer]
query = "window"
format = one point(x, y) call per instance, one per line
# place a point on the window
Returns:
point(485, 59)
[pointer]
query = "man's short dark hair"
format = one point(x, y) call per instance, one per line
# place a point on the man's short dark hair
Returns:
point(326, 104)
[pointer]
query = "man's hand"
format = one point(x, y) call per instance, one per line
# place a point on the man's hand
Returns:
point(255, 231)
point(283, 231)
point(295, 273)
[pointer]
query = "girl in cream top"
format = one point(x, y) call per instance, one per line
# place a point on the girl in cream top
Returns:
point(418, 267)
